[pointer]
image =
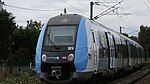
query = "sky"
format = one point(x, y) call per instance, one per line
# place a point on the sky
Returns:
point(139, 11)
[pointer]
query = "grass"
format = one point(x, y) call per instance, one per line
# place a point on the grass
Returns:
point(147, 65)
point(18, 78)
point(26, 77)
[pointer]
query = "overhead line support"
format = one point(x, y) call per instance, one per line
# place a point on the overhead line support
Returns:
point(91, 10)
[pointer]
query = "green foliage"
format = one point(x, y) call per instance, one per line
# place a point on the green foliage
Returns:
point(25, 40)
point(134, 38)
point(7, 27)
point(131, 37)
point(17, 43)
point(17, 47)
point(144, 39)
point(21, 78)
point(125, 34)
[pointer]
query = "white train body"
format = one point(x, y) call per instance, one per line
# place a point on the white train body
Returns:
point(92, 48)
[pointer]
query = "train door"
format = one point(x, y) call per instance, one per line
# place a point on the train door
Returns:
point(138, 55)
point(111, 49)
point(95, 49)
point(127, 49)
point(103, 51)
point(129, 62)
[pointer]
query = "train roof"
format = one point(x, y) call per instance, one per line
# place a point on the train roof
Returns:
point(68, 19)
point(74, 19)
point(126, 38)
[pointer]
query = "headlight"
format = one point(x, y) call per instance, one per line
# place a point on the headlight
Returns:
point(44, 58)
point(70, 57)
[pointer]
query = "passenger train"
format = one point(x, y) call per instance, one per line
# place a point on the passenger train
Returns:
point(74, 47)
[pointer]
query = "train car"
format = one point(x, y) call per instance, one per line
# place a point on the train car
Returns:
point(74, 47)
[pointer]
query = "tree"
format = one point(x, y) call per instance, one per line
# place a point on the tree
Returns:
point(7, 27)
point(32, 32)
point(131, 37)
point(144, 39)
point(26, 38)
point(125, 34)
point(134, 38)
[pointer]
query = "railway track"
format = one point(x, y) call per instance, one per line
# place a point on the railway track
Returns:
point(144, 80)
point(130, 79)
point(126, 79)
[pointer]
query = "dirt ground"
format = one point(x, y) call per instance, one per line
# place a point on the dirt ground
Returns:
point(145, 79)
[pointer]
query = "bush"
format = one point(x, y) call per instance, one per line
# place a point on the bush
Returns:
point(4, 72)
point(22, 78)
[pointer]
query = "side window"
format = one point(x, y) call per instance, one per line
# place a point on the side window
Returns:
point(118, 47)
point(133, 50)
point(137, 51)
point(103, 49)
point(143, 54)
point(124, 49)
point(129, 49)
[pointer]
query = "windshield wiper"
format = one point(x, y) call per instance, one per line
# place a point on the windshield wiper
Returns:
point(49, 40)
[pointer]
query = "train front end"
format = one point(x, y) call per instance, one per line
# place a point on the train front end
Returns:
point(55, 52)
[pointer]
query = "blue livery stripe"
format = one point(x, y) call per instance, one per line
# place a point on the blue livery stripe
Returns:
point(39, 50)
point(81, 50)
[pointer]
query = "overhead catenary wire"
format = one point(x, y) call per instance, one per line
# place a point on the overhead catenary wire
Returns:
point(118, 19)
point(116, 13)
point(133, 32)
point(123, 20)
point(73, 7)
point(70, 5)
point(146, 6)
point(104, 4)
point(129, 20)
point(148, 1)
point(23, 8)
point(107, 2)
point(104, 13)
point(127, 25)
point(107, 10)
point(104, 1)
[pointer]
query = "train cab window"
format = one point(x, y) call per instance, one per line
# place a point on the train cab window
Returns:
point(58, 39)
point(60, 35)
